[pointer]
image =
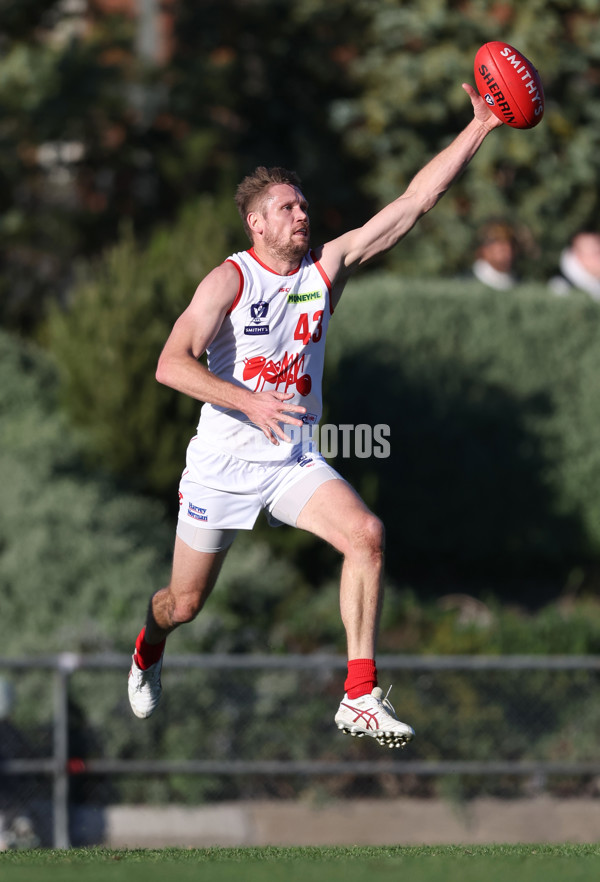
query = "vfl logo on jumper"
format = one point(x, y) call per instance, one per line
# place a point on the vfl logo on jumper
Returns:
point(284, 373)
point(304, 298)
point(258, 312)
point(194, 511)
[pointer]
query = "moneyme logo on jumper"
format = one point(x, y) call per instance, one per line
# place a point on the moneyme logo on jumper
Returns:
point(304, 298)
point(258, 312)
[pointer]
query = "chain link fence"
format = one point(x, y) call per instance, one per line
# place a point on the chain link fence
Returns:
point(245, 727)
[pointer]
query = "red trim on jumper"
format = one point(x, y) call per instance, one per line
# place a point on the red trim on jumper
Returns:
point(325, 278)
point(253, 254)
point(240, 288)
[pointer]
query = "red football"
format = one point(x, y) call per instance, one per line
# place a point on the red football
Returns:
point(510, 84)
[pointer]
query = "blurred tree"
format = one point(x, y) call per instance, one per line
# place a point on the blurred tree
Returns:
point(354, 94)
point(94, 132)
point(411, 102)
point(80, 554)
point(75, 552)
point(107, 343)
point(274, 68)
point(73, 155)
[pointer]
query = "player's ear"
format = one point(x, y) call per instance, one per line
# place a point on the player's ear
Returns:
point(255, 222)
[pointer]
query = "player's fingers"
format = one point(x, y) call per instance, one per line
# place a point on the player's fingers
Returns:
point(277, 430)
point(476, 99)
point(289, 420)
point(275, 433)
point(481, 110)
point(270, 436)
point(293, 408)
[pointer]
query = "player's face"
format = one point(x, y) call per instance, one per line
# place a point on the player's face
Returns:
point(286, 231)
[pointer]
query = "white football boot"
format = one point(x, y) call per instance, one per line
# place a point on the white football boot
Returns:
point(373, 715)
point(144, 688)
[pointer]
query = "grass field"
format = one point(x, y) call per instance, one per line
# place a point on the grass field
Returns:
point(494, 863)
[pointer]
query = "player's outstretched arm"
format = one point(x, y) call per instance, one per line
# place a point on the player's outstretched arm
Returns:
point(341, 257)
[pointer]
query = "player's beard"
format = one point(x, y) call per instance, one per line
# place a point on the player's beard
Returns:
point(288, 251)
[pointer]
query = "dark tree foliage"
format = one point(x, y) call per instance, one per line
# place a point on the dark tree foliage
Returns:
point(274, 70)
point(93, 134)
point(543, 180)
point(354, 95)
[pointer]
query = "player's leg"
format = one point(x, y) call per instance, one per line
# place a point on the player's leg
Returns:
point(193, 577)
point(337, 514)
point(217, 495)
point(194, 574)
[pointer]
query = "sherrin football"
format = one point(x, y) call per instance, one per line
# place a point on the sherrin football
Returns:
point(510, 84)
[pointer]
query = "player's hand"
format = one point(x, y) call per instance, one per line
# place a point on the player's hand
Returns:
point(268, 410)
point(481, 111)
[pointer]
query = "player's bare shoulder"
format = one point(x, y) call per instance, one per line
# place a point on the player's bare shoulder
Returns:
point(332, 256)
point(198, 324)
point(220, 288)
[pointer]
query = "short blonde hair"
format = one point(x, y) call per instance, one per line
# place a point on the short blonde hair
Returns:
point(251, 191)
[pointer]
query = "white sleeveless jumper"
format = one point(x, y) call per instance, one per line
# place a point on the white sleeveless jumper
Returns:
point(272, 338)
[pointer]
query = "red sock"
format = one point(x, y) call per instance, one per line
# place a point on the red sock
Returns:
point(147, 653)
point(362, 677)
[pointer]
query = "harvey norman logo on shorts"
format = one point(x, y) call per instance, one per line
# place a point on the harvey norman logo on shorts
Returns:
point(194, 511)
point(305, 298)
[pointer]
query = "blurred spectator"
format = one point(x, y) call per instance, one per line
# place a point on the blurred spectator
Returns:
point(579, 266)
point(496, 255)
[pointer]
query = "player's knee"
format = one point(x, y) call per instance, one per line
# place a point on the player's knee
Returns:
point(369, 537)
point(186, 610)
point(376, 534)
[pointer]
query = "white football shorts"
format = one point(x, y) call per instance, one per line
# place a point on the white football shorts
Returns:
point(220, 494)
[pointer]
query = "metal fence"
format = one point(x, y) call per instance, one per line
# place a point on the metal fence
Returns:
point(238, 726)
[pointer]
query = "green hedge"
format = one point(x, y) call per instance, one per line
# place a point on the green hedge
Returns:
point(493, 402)
point(491, 398)
point(79, 556)
point(76, 552)
point(107, 343)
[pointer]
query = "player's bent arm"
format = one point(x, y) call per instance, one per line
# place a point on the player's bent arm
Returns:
point(178, 365)
point(194, 330)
